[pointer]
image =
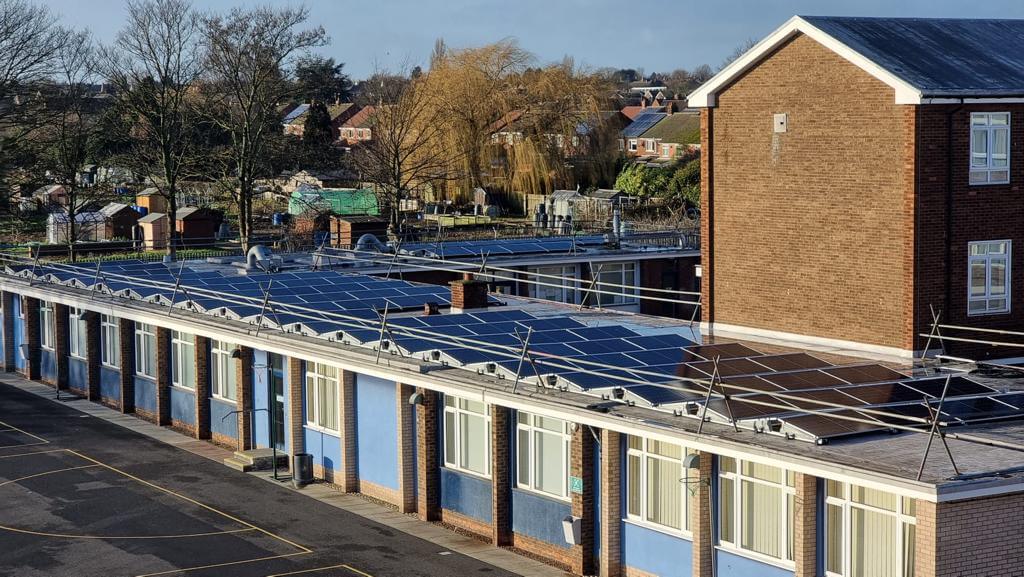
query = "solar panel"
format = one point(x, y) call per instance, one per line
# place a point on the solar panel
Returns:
point(799, 380)
point(958, 387)
point(655, 395)
point(792, 362)
point(884, 393)
point(865, 374)
point(724, 351)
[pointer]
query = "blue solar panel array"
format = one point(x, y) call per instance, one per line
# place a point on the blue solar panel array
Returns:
point(607, 360)
point(502, 247)
point(642, 123)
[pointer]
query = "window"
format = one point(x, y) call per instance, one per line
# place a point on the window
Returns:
point(988, 273)
point(46, 327)
point(322, 396)
point(868, 533)
point(666, 150)
point(76, 332)
point(467, 435)
point(223, 376)
point(614, 274)
point(632, 145)
point(183, 360)
point(563, 293)
point(655, 492)
point(990, 147)
point(756, 506)
point(542, 454)
point(110, 341)
point(145, 350)
point(650, 146)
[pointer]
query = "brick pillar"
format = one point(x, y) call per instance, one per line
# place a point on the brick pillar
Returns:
point(244, 378)
point(296, 380)
point(428, 473)
point(406, 448)
point(610, 563)
point(468, 294)
point(926, 540)
point(126, 345)
point(701, 518)
point(501, 475)
point(202, 430)
point(581, 465)
point(32, 338)
point(8, 328)
point(348, 477)
point(61, 343)
point(163, 376)
point(805, 527)
point(92, 354)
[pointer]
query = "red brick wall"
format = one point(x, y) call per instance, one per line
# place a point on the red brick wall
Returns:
point(988, 212)
point(979, 537)
point(810, 228)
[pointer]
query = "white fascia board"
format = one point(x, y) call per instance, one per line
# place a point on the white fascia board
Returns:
point(950, 100)
point(704, 97)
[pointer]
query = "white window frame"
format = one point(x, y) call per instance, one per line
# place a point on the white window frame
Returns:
point(904, 516)
point(666, 150)
point(643, 453)
point(223, 374)
point(180, 342)
point(786, 522)
point(47, 328)
point(320, 377)
point(632, 144)
point(110, 341)
point(567, 292)
point(983, 166)
point(626, 296)
point(987, 259)
point(21, 306)
point(457, 407)
point(145, 350)
point(528, 433)
point(77, 333)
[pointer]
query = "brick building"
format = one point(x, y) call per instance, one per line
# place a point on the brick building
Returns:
point(858, 172)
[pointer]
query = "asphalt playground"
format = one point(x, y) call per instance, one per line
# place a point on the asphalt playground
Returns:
point(83, 497)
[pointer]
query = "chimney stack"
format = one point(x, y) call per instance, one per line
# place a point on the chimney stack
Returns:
point(468, 294)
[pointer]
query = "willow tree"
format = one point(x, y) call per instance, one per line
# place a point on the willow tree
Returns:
point(479, 92)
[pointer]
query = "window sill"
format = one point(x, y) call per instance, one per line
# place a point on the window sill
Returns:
point(110, 366)
point(754, 556)
point(543, 495)
point(78, 358)
point(988, 313)
point(677, 533)
point(224, 399)
point(322, 430)
point(462, 471)
point(183, 388)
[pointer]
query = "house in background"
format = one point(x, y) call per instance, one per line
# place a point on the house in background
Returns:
point(295, 121)
point(883, 177)
point(357, 128)
point(662, 136)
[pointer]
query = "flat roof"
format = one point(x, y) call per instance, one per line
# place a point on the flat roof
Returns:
point(422, 351)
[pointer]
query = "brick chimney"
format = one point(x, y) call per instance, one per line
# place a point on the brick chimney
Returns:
point(468, 294)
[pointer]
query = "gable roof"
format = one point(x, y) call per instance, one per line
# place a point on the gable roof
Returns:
point(925, 60)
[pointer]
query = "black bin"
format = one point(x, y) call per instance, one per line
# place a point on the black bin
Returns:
point(302, 469)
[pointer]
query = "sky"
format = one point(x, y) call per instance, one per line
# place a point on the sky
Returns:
point(656, 37)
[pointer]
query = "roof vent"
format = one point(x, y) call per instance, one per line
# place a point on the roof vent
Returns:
point(259, 256)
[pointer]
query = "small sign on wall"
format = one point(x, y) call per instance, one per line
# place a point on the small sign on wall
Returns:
point(576, 485)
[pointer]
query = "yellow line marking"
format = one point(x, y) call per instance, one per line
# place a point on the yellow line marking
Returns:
point(173, 571)
point(44, 473)
point(32, 453)
point(13, 428)
point(134, 537)
point(194, 502)
point(301, 571)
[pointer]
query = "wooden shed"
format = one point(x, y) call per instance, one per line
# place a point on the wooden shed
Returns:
point(197, 226)
point(120, 220)
point(154, 230)
point(346, 230)
point(151, 200)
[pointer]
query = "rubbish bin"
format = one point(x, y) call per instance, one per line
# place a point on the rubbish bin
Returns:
point(302, 469)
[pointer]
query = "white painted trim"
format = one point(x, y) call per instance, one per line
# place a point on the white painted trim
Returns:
point(1006, 100)
point(820, 344)
point(704, 97)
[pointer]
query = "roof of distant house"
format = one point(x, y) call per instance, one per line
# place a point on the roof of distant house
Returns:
point(642, 124)
point(923, 59)
point(678, 128)
point(361, 118)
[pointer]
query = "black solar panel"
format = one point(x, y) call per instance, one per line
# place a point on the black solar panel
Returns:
point(865, 374)
point(792, 362)
point(724, 351)
point(799, 380)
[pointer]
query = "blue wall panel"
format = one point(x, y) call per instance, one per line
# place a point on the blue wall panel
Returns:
point(183, 405)
point(539, 517)
point(732, 565)
point(145, 394)
point(466, 494)
point(221, 421)
point(78, 373)
point(261, 418)
point(656, 552)
point(325, 448)
point(48, 365)
point(19, 334)
point(376, 431)
point(110, 383)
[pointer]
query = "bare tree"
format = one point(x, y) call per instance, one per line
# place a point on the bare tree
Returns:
point(155, 65)
point(29, 45)
point(401, 156)
point(250, 53)
point(68, 139)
